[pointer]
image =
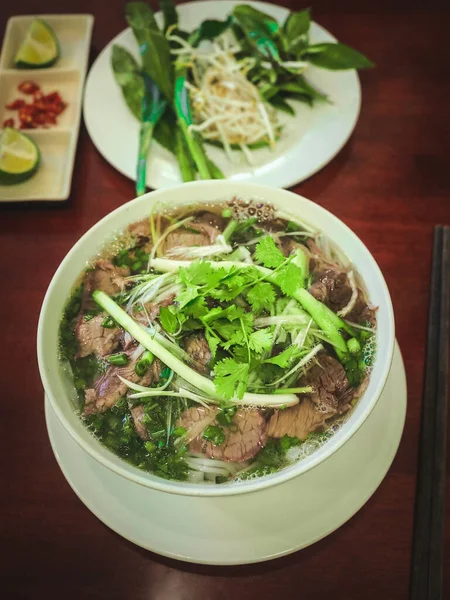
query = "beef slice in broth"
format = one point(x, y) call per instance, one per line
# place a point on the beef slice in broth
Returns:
point(109, 388)
point(105, 277)
point(244, 437)
point(93, 338)
point(329, 397)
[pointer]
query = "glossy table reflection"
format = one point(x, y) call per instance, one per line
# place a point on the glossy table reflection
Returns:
point(390, 184)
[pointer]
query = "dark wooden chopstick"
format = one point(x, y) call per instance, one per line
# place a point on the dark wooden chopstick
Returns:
point(436, 560)
point(428, 543)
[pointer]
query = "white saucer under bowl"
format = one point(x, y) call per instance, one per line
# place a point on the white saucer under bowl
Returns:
point(227, 530)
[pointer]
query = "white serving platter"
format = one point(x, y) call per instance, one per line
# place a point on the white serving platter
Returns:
point(310, 140)
point(57, 143)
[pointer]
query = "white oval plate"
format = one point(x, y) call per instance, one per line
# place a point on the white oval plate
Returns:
point(237, 529)
point(309, 141)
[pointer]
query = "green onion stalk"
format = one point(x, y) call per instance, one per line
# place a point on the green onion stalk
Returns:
point(206, 168)
point(200, 382)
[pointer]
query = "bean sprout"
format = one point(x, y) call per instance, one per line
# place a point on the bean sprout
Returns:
point(227, 107)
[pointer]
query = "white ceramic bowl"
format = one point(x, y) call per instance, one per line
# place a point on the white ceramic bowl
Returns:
point(60, 394)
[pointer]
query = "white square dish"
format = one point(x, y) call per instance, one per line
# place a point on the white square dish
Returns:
point(57, 143)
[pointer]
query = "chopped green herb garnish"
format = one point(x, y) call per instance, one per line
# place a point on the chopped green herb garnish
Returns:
point(214, 434)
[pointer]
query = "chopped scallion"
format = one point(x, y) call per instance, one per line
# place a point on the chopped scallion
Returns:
point(118, 360)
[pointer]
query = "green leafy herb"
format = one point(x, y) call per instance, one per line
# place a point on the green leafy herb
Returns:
point(285, 358)
point(260, 340)
point(168, 320)
point(230, 378)
point(169, 12)
point(268, 253)
point(127, 73)
point(290, 279)
point(214, 434)
point(154, 47)
point(336, 57)
point(259, 29)
point(296, 27)
point(209, 30)
point(109, 323)
point(261, 296)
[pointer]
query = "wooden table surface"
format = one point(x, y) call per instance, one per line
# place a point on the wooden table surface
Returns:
point(390, 184)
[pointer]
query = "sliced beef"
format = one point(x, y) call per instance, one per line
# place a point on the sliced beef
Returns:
point(140, 230)
point(95, 339)
point(198, 349)
point(151, 311)
point(105, 277)
point(329, 383)
point(288, 246)
point(331, 286)
point(109, 388)
point(196, 233)
point(244, 437)
point(297, 421)
point(212, 219)
point(331, 396)
point(195, 420)
point(137, 413)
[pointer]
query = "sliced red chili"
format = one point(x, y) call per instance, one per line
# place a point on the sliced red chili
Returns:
point(8, 123)
point(15, 104)
point(28, 87)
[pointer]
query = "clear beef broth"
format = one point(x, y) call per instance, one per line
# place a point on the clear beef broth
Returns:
point(272, 330)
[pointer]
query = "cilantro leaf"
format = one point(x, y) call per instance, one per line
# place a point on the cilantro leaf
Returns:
point(213, 342)
point(225, 295)
point(231, 332)
point(284, 358)
point(261, 296)
point(187, 295)
point(231, 378)
point(231, 313)
point(268, 254)
point(168, 319)
point(290, 279)
point(196, 308)
point(196, 274)
point(215, 277)
point(260, 340)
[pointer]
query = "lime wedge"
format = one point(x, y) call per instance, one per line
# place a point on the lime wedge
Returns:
point(19, 156)
point(40, 47)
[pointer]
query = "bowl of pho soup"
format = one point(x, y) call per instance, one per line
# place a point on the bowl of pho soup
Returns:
point(216, 338)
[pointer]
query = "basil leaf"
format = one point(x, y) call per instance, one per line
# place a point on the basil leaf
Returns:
point(280, 103)
point(301, 86)
point(336, 57)
point(267, 91)
point(251, 16)
point(153, 46)
point(169, 12)
point(209, 30)
point(297, 25)
point(260, 29)
point(163, 132)
point(127, 74)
